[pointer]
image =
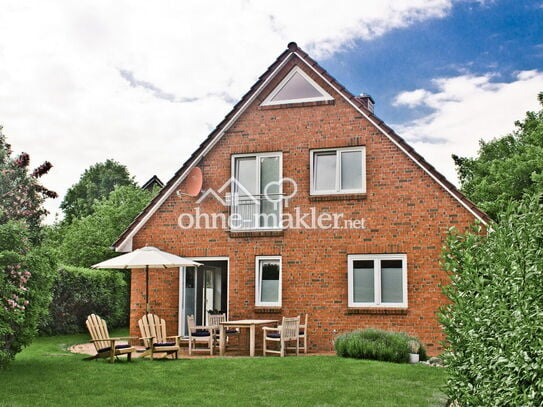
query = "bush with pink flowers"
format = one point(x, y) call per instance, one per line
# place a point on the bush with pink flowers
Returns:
point(26, 270)
point(26, 279)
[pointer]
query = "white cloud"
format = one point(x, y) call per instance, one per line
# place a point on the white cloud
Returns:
point(411, 98)
point(63, 96)
point(465, 109)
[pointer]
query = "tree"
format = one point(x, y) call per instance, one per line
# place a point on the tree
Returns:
point(506, 168)
point(493, 322)
point(21, 194)
point(95, 184)
point(88, 240)
point(26, 270)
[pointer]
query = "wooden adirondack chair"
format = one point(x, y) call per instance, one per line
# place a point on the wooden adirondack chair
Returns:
point(153, 335)
point(107, 347)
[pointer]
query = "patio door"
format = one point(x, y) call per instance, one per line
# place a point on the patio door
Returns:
point(204, 290)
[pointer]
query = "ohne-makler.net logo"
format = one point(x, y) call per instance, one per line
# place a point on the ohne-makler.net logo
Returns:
point(249, 210)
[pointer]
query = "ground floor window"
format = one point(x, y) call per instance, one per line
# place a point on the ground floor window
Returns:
point(268, 281)
point(377, 280)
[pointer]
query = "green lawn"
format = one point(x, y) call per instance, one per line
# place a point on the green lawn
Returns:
point(46, 374)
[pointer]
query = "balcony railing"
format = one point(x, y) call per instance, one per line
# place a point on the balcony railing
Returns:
point(255, 212)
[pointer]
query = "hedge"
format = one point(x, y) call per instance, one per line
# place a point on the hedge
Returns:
point(376, 345)
point(494, 322)
point(79, 292)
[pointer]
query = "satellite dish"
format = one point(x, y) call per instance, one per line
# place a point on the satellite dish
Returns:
point(194, 182)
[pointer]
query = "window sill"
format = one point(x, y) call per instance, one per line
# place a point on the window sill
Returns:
point(267, 310)
point(338, 197)
point(255, 233)
point(297, 104)
point(377, 311)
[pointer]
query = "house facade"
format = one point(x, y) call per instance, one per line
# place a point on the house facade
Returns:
point(308, 203)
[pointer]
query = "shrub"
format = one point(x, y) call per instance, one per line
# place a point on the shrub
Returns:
point(26, 278)
point(377, 345)
point(79, 292)
point(494, 321)
point(26, 272)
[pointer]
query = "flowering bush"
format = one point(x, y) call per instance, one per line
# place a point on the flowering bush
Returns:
point(24, 294)
point(26, 272)
point(18, 278)
point(22, 195)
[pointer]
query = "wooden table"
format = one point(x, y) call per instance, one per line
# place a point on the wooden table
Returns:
point(250, 324)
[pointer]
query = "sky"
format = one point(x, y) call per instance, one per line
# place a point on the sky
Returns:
point(145, 82)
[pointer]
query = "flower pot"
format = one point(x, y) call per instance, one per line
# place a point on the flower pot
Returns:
point(413, 358)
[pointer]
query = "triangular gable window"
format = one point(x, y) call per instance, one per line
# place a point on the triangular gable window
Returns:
point(297, 87)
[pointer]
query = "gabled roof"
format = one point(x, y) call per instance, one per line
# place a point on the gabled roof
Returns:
point(124, 243)
point(152, 182)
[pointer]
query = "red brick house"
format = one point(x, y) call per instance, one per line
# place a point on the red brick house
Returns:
point(299, 145)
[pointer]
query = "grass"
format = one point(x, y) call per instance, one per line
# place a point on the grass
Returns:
point(45, 374)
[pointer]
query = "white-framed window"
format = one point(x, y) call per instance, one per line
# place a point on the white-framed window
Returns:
point(268, 281)
point(296, 87)
point(338, 171)
point(377, 280)
point(256, 191)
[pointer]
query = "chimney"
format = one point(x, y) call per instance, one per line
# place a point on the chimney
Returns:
point(367, 101)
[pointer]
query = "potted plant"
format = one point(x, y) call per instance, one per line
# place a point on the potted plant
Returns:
point(414, 347)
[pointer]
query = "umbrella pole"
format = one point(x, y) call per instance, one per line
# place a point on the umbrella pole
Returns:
point(146, 289)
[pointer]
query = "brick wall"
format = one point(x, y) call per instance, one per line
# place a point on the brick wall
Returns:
point(405, 212)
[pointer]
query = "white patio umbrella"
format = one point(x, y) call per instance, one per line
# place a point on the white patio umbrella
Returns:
point(145, 258)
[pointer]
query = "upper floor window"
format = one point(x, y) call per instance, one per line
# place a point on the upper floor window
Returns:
point(377, 280)
point(256, 191)
point(338, 171)
point(296, 87)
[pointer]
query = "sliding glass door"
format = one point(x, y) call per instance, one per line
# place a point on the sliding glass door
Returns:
point(204, 290)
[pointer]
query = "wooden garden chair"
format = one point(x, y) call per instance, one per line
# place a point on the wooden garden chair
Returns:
point(288, 331)
point(214, 321)
point(303, 334)
point(105, 346)
point(200, 334)
point(153, 335)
